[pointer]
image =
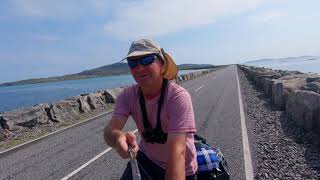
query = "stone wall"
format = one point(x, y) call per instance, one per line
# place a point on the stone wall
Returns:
point(68, 110)
point(292, 91)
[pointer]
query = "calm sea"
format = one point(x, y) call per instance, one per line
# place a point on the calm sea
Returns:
point(12, 97)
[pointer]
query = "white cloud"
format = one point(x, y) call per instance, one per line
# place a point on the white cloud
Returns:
point(46, 37)
point(159, 17)
point(270, 16)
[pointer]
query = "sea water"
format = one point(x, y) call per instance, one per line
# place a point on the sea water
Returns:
point(12, 97)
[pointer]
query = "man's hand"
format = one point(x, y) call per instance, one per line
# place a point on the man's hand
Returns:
point(118, 139)
point(176, 159)
point(123, 142)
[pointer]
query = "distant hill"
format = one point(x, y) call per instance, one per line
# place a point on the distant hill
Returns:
point(107, 70)
point(194, 66)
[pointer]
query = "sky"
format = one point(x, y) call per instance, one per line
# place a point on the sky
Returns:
point(44, 38)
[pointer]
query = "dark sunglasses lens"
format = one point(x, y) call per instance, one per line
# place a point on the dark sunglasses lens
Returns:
point(132, 64)
point(143, 61)
point(147, 60)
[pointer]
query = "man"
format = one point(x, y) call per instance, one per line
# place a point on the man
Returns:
point(163, 113)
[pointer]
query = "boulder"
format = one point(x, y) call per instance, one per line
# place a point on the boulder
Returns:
point(282, 87)
point(183, 77)
point(25, 117)
point(64, 110)
point(313, 86)
point(304, 108)
point(267, 85)
point(112, 94)
point(82, 99)
point(179, 78)
point(313, 79)
point(95, 101)
point(2, 134)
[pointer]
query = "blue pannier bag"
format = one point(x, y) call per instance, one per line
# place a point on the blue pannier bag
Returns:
point(211, 162)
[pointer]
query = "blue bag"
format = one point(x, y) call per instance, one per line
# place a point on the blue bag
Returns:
point(211, 162)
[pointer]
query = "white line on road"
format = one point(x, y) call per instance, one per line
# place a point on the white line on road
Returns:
point(198, 88)
point(28, 142)
point(89, 162)
point(245, 141)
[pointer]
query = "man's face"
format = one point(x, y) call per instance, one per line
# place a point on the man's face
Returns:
point(147, 75)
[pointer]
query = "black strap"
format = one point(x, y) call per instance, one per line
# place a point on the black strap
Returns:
point(160, 103)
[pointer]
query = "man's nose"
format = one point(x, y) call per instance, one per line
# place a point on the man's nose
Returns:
point(139, 67)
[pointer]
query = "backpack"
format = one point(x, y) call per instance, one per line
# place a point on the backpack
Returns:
point(211, 162)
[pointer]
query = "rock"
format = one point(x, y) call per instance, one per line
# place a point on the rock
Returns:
point(282, 87)
point(111, 94)
point(2, 134)
point(64, 110)
point(304, 75)
point(25, 117)
point(304, 108)
point(312, 79)
point(313, 86)
point(267, 85)
point(95, 101)
point(179, 78)
point(82, 99)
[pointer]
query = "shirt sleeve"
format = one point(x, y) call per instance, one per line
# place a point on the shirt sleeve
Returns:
point(180, 113)
point(122, 107)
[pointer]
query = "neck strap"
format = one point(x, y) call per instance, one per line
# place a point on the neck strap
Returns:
point(160, 103)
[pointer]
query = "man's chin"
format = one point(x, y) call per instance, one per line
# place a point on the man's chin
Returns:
point(148, 82)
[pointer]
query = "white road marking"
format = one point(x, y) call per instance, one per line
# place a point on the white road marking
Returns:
point(53, 132)
point(213, 77)
point(245, 141)
point(89, 162)
point(198, 88)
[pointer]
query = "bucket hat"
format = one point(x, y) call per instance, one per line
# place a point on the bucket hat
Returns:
point(143, 47)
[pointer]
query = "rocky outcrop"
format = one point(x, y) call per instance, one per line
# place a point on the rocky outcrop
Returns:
point(293, 91)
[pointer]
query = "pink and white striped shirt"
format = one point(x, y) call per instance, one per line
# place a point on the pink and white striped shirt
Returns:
point(176, 117)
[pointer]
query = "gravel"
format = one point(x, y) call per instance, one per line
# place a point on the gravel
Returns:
point(282, 149)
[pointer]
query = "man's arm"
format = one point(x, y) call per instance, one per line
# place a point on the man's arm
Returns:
point(176, 160)
point(118, 139)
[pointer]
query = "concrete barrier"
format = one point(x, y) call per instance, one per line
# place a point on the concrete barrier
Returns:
point(295, 92)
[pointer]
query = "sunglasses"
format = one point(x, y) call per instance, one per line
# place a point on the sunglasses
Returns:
point(145, 61)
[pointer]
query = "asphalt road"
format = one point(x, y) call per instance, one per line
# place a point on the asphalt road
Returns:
point(216, 106)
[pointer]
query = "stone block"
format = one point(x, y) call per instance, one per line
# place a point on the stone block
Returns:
point(304, 108)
